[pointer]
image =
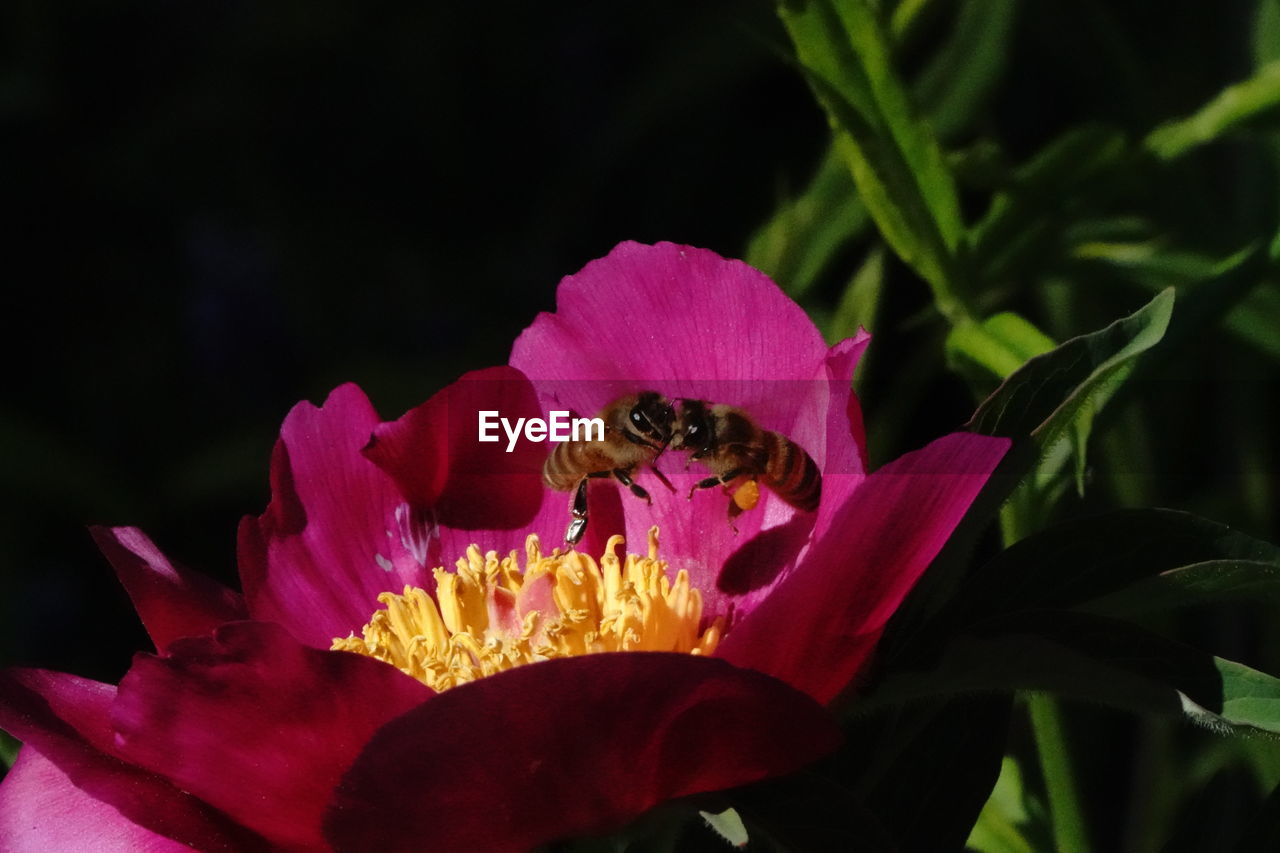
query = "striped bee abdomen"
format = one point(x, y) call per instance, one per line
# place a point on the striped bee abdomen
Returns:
point(791, 473)
point(570, 462)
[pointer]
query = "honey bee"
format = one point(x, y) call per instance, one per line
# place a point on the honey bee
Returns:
point(637, 428)
point(740, 454)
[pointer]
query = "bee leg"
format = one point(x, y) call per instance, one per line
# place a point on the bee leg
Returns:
point(578, 508)
point(624, 477)
point(663, 477)
point(573, 535)
point(711, 482)
point(579, 504)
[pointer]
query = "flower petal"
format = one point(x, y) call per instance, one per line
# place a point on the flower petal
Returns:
point(43, 808)
point(570, 746)
point(434, 455)
point(66, 718)
point(844, 438)
point(172, 601)
point(44, 707)
point(818, 625)
point(256, 724)
point(690, 324)
point(677, 319)
point(336, 533)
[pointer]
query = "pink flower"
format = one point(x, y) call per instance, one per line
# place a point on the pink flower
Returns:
point(247, 731)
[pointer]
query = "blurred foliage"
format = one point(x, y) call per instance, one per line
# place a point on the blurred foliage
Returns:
point(1082, 166)
point(221, 208)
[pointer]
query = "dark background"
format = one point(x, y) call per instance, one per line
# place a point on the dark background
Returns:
point(224, 208)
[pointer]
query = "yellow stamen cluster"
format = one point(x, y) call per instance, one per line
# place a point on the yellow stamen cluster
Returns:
point(482, 620)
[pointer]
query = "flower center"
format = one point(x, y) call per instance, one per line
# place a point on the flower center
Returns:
point(491, 615)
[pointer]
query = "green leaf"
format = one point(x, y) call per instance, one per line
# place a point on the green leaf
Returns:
point(894, 158)
point(1022, 222)
point(1249, 698)
point(997, 829)
point(964, 71)
point(1078, 561)
point(1255, 320)
point(802, 238)
point(1266, 32)
point(1082, 656)
point(799, 242)
point(989, 351)
point(857, 308)
point(1202, 583)
point(1043, 398)
point(1245, 103)
point(1052, 401)
point(1210, 291)
point(905, 15)
point(728, 825)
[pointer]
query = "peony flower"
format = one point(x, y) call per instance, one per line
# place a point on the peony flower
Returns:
point(533, 693)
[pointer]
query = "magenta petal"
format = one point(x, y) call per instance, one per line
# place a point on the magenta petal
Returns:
point(41, 809)
point(570, 747)
point(677, 319)
point(67, 719)
point(844, 434)
point(337, 531)
point(171, 601)
point(256, 724)
point(47, 806)
point(434, 455)
point(818, 626)
point(688, 323)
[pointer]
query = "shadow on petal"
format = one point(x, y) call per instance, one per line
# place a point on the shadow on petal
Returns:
point(761, 559)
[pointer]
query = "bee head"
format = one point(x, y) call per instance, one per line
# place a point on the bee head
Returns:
point(692, 430)
point(652, 416)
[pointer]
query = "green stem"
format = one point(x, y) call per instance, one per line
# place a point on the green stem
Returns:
point(1055, 763)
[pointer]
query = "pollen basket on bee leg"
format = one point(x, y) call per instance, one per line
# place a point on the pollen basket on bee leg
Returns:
point(747, 495)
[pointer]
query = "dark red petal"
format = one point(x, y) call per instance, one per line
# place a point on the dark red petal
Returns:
point(42, 809)
point(172, 601)
point(337, 531)
point(819, 624)
point(256, 724)
point(43, 707)
point(66, 718)
point(436, 458)
point(570, 747)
